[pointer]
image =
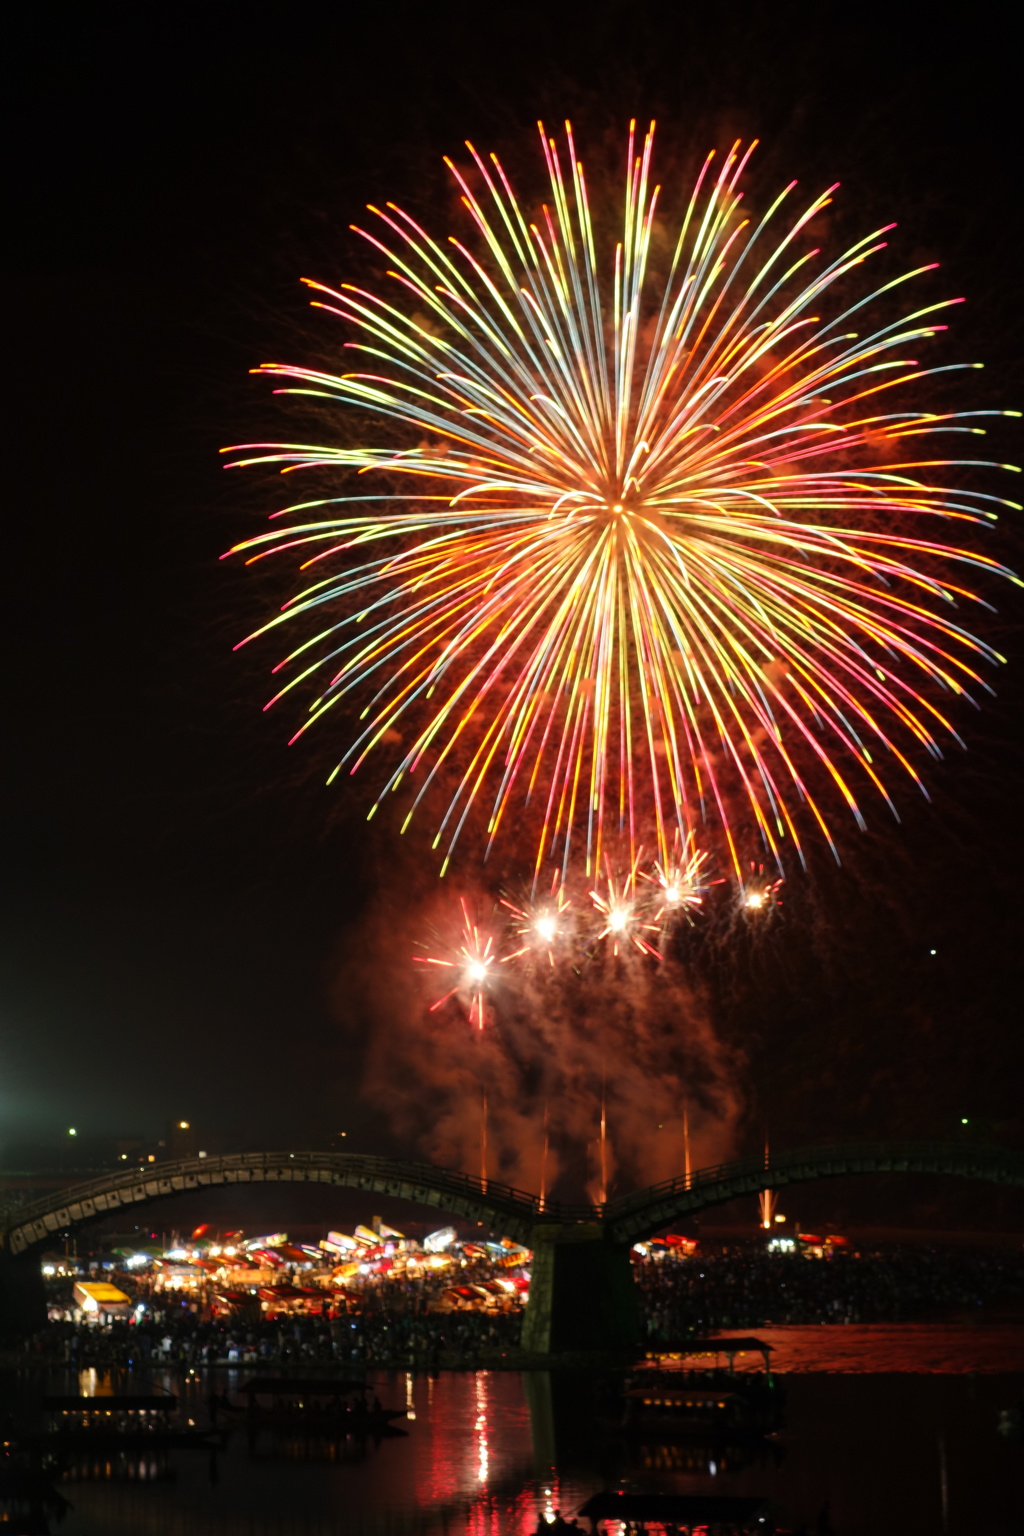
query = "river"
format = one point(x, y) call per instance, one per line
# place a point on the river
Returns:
point(891, 1428)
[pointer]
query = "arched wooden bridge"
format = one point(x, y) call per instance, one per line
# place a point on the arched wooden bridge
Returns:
point(650, 1210)
point(515, 1213)
point(508, 1210)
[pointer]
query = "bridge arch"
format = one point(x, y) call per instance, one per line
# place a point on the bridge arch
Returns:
point(633, 1217)
point(511, 1211)
point(515, 1213)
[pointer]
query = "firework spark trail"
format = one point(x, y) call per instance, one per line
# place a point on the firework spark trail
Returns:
point(660, 551)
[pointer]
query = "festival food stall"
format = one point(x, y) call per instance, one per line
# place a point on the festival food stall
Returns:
point(99, 1300)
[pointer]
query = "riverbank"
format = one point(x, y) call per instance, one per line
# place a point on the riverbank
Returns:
point(977, 1348)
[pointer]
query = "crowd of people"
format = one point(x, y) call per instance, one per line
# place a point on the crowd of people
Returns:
point(393, 1322)
point(744, 1286)
point(175, 1336)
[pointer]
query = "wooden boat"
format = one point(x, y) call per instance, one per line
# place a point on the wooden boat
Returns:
point(325, 1406)
point(686, 1411)
point(128, 1422)
point(711, 1403)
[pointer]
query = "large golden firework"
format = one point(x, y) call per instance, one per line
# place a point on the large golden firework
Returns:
point(657, 545)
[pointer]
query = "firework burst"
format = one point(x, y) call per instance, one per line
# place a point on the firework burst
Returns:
point(473, 965)
point(541, 928)
point(664, 542)
point(622, 918)
point(680, 883)
point(760, 891)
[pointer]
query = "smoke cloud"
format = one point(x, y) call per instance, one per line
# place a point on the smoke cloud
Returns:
point(520, 1099)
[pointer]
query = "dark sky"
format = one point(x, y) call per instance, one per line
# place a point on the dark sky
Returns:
point(176, 884)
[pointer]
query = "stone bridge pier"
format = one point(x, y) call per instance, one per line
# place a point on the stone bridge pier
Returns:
point(582, 1295)
point(22, 1296)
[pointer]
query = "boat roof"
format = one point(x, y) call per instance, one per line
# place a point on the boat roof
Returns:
point(730, 1346)
point(308, 1386)
point(675, 1508)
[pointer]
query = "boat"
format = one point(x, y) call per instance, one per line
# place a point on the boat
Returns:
point(318, 1404)
point(690, 1401)
point(714, 1412)
point(128, 1422)
point(90, 1439)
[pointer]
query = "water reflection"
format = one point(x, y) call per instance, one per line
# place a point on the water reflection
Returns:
point(483, 1457)
point(490, 1453)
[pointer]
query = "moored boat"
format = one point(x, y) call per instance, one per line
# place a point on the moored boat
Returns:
point(336, 1407)
point(686, 1400)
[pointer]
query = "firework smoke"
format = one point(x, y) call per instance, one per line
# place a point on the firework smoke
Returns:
point(555, 1041)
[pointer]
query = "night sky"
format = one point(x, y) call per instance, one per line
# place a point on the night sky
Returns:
point(179, 885)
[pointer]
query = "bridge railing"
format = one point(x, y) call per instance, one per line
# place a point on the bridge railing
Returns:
point(847, 1153)
point(515, 1204)
point(503, 1197)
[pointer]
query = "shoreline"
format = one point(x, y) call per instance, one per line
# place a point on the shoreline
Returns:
point(983, 1347)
